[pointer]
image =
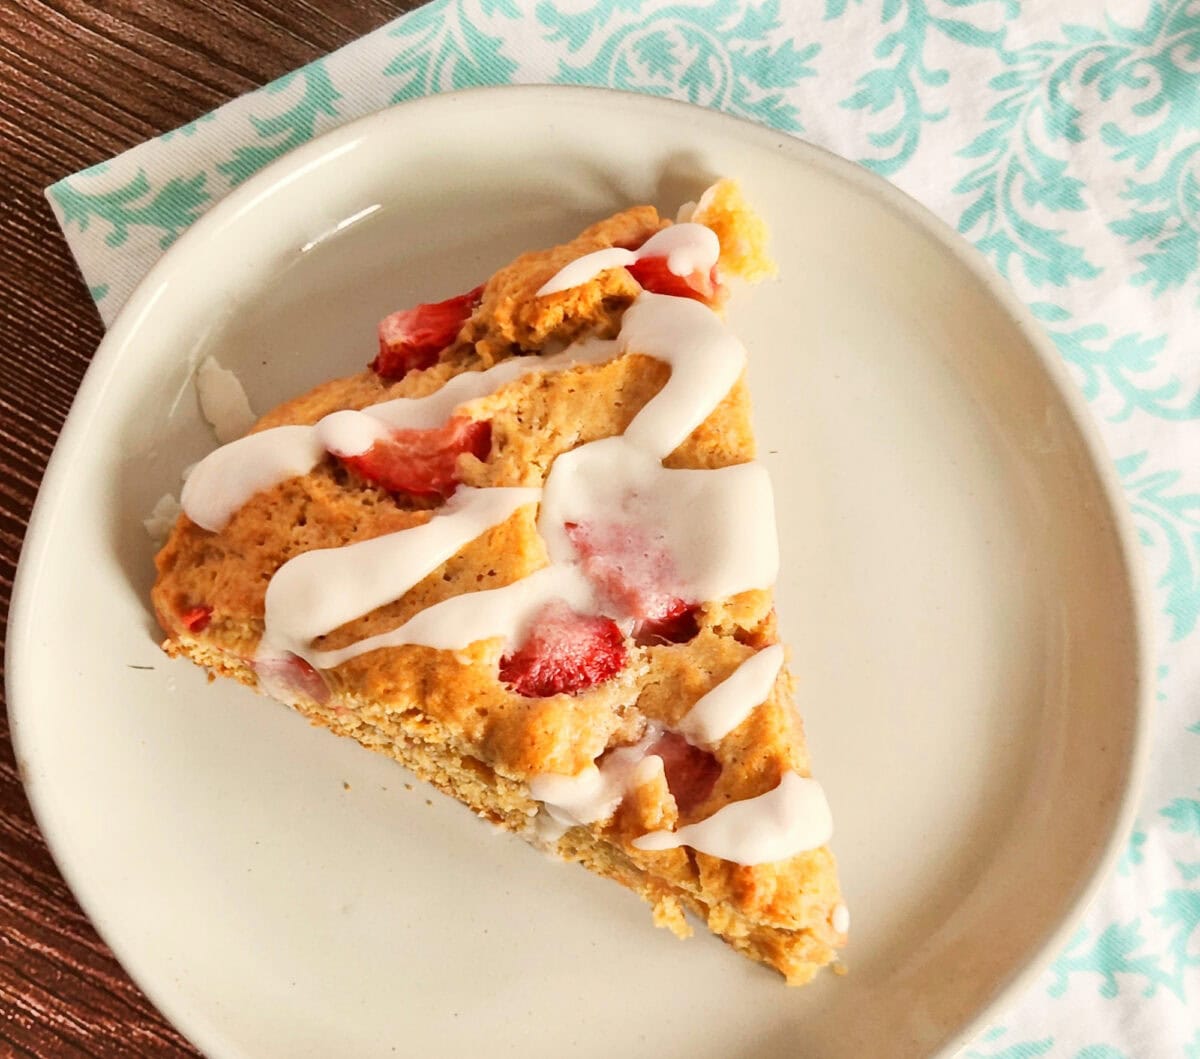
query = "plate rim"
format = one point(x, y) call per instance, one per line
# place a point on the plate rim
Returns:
point(87, 404)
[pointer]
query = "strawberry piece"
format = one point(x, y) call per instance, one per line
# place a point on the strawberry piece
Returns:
point(413, 338)
point(652, 273)
point(631, 569)
point(678, 625)
point(566, 652)
point(288, 676)
point(691, 772)
point(423, 462)
point(196, 619)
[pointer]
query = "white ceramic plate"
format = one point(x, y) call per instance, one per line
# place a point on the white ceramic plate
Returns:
point(958, 592)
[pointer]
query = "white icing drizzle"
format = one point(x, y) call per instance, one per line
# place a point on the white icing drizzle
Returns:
point(497, 613)
point(584, 269)
point(700, 515)
point(788, 820)
point(226, 479)
point(320, 590)
point(687, 247)
point(594, 793)
point(350, 433)
point(706, 359)
point(727, 705)
point(422, 413)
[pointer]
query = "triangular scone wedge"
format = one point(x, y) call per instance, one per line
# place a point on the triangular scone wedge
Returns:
point(537, 570)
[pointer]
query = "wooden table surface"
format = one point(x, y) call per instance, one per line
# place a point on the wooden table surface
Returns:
point(79, 82)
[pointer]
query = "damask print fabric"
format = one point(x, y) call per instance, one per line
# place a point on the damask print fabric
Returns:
point(1062, 139)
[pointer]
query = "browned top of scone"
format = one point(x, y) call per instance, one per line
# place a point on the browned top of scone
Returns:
point(533, 419)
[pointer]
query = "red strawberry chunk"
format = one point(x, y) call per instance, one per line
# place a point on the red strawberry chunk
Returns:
point(691, 772)
point(413, 338)
point(654, 275)
point(678, 625)
point(630, 567)
point(423, 462)
point(289, 676)
point(566, 652)
point(196, 619)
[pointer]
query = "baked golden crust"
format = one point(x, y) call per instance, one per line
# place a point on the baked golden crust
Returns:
point(445, 714)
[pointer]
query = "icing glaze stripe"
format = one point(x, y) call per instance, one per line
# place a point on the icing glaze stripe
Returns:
point(495, 613)
point(788, 820)
point(698, 517)
point(687, 248)
point(594, 793)
point(227, 478)
point(727, 705)
point(320, 590)
point(706, 359)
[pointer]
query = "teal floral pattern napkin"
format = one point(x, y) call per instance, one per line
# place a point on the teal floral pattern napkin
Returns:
point(1062, 139)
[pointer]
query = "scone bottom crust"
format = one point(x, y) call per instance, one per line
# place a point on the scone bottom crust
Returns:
point(528, 553)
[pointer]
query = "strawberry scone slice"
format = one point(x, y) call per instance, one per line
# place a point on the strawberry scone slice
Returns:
point(529, 554)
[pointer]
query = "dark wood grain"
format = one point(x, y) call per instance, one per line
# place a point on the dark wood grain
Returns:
point(80, 82)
